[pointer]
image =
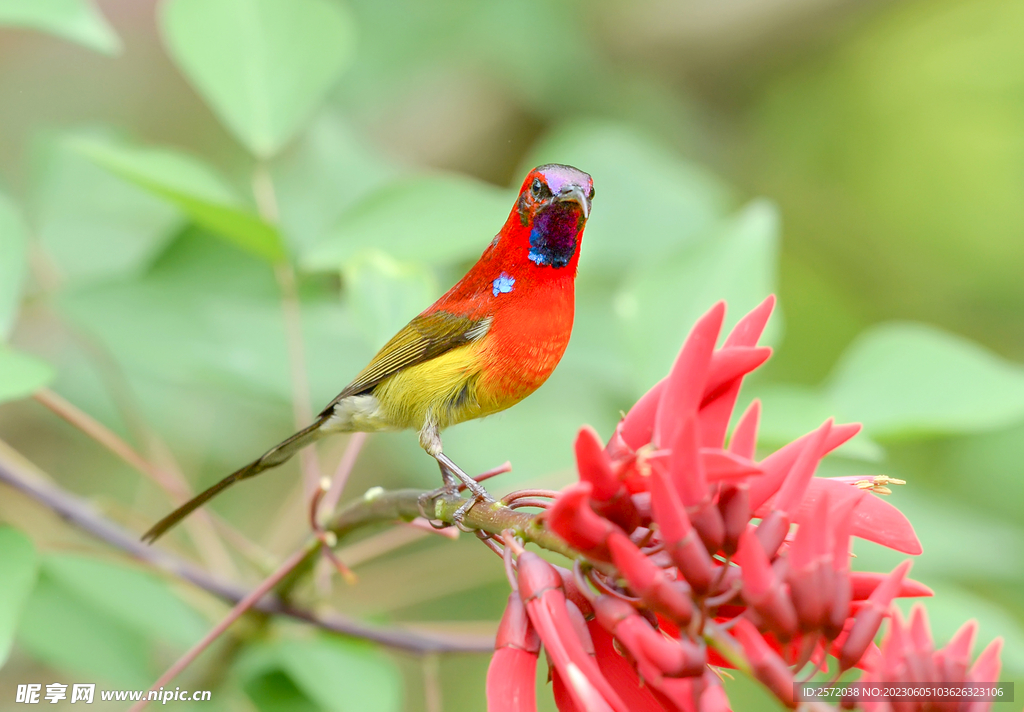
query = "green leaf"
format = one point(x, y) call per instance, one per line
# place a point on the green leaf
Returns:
point(957, 538)
point(905, 379)
point(68, 634)
point(194, 188)
point(337, 674)
point(21, 375)
point(207, 315)
point(660, 301)
point(385, 295)
point(273, 691)
point(92, 223)
point(75, 20)
point(13, 256)
point(140, 601)
point(647, 200)
point(327, 171)
point(263, 65)
point(18, 568)
point(435, 219)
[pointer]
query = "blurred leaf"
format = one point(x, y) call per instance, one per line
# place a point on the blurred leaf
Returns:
point(92, 223)
point(905, 379)
point(337, 674)
point(328, 169)
point(13, 266)
point(68, 634)
point(434, 219)
point(208, 314)
point(961, 543)
point(273, 691)
point(385, 295)
point(896, 155)
point(192, 186)
point(662, 298)
point(139, 600)
point(21, 375)
point(791, 411)
point(647, 200)
point(18, 568)
point(263, 65)
point(75, 20)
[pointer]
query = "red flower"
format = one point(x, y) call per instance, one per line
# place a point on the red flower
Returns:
point(694, 555)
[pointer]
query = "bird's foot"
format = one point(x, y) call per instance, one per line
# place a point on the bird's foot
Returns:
point(450, 469)
point(460, 514)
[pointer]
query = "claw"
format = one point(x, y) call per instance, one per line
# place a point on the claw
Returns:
point(463, 510)
point(472, 485)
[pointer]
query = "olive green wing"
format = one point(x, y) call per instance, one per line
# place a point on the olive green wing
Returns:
point(423, 338)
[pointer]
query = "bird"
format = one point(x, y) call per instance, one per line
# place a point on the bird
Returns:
point(486, 344)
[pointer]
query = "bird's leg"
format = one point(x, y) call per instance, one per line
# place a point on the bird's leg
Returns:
point(430, 440)
point(451, 482)
point(472, 485)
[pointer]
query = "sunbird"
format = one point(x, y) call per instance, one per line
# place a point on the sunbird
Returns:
point(486, 344)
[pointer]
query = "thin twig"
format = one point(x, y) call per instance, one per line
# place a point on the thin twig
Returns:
point(302, 407)
point(112, 442)
point(81, 514)
point(432, 683)
point(240, 608)
point(170, 480)
point(353, 447)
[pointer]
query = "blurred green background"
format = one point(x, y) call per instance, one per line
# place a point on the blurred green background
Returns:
point(864, 161)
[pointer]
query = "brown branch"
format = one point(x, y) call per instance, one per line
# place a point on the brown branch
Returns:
point(218, 630)
point(491, 517)
point(79, 513)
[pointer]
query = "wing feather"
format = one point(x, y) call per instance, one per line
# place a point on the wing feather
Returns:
point(423, 338)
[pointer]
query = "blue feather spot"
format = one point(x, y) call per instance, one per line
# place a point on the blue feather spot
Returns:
point(503, 284)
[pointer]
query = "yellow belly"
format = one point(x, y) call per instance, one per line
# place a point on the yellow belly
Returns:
point(443, 389)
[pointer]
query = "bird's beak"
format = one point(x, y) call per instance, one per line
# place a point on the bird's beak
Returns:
point(575, 193)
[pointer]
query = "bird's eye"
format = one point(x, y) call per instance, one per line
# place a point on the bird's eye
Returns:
point(537, 188)
point(591, 196)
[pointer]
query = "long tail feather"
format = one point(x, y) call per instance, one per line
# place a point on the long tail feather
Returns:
point(272, 458)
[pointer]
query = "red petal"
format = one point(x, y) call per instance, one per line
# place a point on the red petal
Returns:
point(777, 465)
point(874, 519)
point(865, 582)
point(539, 587)
point(637, 428)
point(986, 668)
point(729, 364)
point(593, 465)
point(744, 437)
point(767, 666)
point(920, 632)
point(956, 656)
point(793, 487)
point(685, 386)
point(685, 464)
point(572, 518)
point(620, 674)
point(721, 465)
point(515, 631)
point(648, 581)
point(511, 681)
point(749, 329)
point(717, 406)
point(869, 617)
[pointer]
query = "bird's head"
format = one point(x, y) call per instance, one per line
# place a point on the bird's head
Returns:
point(552, 209)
